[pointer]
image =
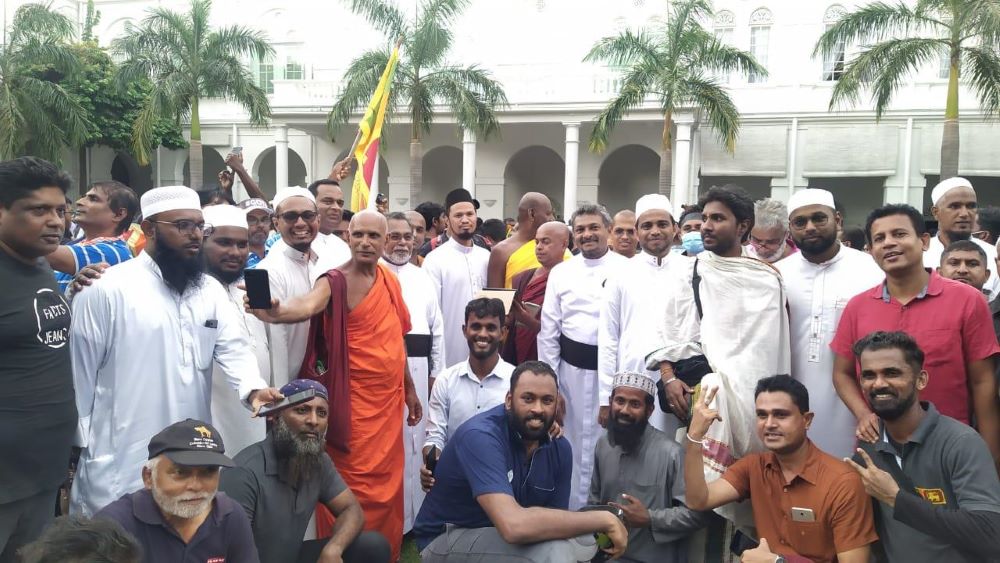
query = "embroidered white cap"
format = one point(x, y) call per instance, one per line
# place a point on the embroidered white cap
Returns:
point(168, 198)
point(225, 216)
point(810, 196)
point(634, 380)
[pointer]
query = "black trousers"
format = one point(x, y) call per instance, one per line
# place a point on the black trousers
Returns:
point(22, 521)
point(368, 547)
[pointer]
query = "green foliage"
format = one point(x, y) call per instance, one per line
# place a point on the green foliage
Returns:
point(91, 20)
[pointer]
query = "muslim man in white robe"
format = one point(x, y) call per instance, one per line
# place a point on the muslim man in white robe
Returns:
point(568, 337)
point(819, 280)
point(143, 340)
point(424, 349)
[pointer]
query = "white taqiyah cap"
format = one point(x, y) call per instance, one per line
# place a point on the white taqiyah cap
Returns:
point(810, 196)
point(225, 216)
point(946, 186)
point(168, 198)
point(634, 380)
point(653, 201)
point(294, 191)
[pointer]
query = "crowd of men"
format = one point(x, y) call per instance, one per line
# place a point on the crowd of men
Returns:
point(731, 380)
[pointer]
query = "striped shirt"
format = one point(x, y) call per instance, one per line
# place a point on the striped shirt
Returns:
point(111, 250)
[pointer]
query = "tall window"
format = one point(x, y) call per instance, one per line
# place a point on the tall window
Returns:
point(760, 39)
point(724, 24)
point(294, 70)
point(944, 67)
point(833, 62)
point(265, 76)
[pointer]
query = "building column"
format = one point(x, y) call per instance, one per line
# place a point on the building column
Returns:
point(682, 163)
point(572, 159)
point(469, 162)
point(280, 157)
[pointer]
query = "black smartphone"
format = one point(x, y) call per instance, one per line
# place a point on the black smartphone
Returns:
point(258, 288)
point(431, 459)
point(289, 401)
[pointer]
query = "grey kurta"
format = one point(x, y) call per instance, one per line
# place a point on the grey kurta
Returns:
point(654, 474)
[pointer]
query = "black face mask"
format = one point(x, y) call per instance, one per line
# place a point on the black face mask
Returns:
point(179, 272)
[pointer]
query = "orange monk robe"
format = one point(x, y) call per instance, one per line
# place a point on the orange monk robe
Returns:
point(373, 469)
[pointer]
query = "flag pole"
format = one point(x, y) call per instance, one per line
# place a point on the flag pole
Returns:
point(357, 138)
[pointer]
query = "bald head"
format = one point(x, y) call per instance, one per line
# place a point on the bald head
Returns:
point(368, 219)
point(623, 235)
point(419, 227)
point(533, 210)
point(367, 237)
point(551, 242)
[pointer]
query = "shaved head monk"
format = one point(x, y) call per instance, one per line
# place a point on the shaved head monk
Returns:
point(517, 253)
point(365, 370)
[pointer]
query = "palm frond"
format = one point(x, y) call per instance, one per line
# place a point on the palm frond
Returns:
point(983, 22)
point(472, 95)
point(719, 107)
point(238, 41)
point(359, 83)
point(874, 23)
point(717, 57)
point(228, 78)
point(382, 15)
point(982, 71)
point(39, 22)
point(624, 49)
point(882, 68)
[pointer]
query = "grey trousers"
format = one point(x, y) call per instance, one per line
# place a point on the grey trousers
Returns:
point(484, 545)
point(22, 521)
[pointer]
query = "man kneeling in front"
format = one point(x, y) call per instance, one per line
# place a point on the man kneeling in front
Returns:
point(502, 486)
point(279, 481)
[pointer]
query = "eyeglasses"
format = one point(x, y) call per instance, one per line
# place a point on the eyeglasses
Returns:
point(818, 219)
point(184, 226)
point(254, 221)
point(293, 217)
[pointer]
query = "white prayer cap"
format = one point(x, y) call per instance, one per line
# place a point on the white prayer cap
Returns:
point(652, 201)
point(225, 216)
point(293, 191)
point(810, 196)
point(168, 198)
point(634, 380)
point(946, 186)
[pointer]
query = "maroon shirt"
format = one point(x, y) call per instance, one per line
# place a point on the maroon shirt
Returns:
point(951, 323)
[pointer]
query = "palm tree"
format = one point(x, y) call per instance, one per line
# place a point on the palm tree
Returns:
point(37, 116)
point(186, 61)
point(422, 79)
point(677, 63)
point(897, 39)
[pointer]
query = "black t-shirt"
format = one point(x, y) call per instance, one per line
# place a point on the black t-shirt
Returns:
point(38, 411)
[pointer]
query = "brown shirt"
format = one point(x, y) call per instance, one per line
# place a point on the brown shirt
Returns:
point(829, 487)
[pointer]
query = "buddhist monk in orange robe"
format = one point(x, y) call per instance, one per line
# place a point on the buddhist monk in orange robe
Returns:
point(365, 439)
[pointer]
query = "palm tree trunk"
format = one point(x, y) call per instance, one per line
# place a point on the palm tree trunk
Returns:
point(666, 158)
point(416, 170)
point(950, 139)
point(195, 163)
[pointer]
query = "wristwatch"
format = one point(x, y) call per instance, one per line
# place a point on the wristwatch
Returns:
point(779, 559)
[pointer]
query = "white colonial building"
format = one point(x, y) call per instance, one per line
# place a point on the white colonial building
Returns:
point(789, 139)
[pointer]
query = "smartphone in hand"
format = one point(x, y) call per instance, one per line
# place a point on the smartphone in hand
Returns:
point(258, 288)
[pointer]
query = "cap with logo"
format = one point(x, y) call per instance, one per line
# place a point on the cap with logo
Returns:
point(190, 442)
point(254, 204)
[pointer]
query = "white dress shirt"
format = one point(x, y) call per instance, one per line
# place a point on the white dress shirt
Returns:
point(459, 395)
point(142, 360)
point(458, 273)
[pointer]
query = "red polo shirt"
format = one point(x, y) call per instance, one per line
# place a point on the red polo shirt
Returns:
point(951, 323)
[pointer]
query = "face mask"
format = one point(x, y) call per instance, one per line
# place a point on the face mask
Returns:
point(692, 243)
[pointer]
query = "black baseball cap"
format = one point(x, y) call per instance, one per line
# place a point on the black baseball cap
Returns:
point(461, 195)
point(190, 442)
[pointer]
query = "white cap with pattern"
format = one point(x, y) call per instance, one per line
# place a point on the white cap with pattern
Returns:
point(225, 216)
point(168, 198)
point(634, 380)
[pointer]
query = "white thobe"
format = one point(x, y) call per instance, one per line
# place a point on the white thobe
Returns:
point(330, 248)
point(142, 360)
point(228, 416)
point(932, 259)
point(459, 395)
point(291, 274)
point(573, 308)
point(458, 273)
point(425, 319)
point(633, 305)
point(817, 295)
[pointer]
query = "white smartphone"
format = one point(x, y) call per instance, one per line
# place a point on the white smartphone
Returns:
point(803, 515)
point(236, 150)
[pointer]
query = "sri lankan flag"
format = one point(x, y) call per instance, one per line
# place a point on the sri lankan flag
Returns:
point(366, 151)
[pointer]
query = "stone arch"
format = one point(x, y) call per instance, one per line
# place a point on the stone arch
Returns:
point(834, 13)
point(263, 171)
point(126, 170)
point(535, 168)
point(212, 164)
point(761, 16)
point(627, 174)
point(442, 172)
point(347, 183)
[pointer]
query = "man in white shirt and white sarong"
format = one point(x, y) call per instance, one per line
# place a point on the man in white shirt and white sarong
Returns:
point(424, 348)
point(142, 341)
point(635, 297)
point(744, 330)
point(226, 249)
point(458, 269)
point(820, 279)
point(567, 340)
point(292, 268)
point(953, 205)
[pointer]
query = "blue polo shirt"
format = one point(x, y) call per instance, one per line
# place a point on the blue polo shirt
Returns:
point(224, 537)
point(487, 456)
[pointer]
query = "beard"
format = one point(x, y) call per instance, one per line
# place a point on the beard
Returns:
point(819, 246)
point(179, 272)
point(177, 506)
point(228, 278)
point(465, 236)
point(300, 455)
point(954, 237)
point(893, 409)
point(627, 435)
point(398, 257)
point(520, 424)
